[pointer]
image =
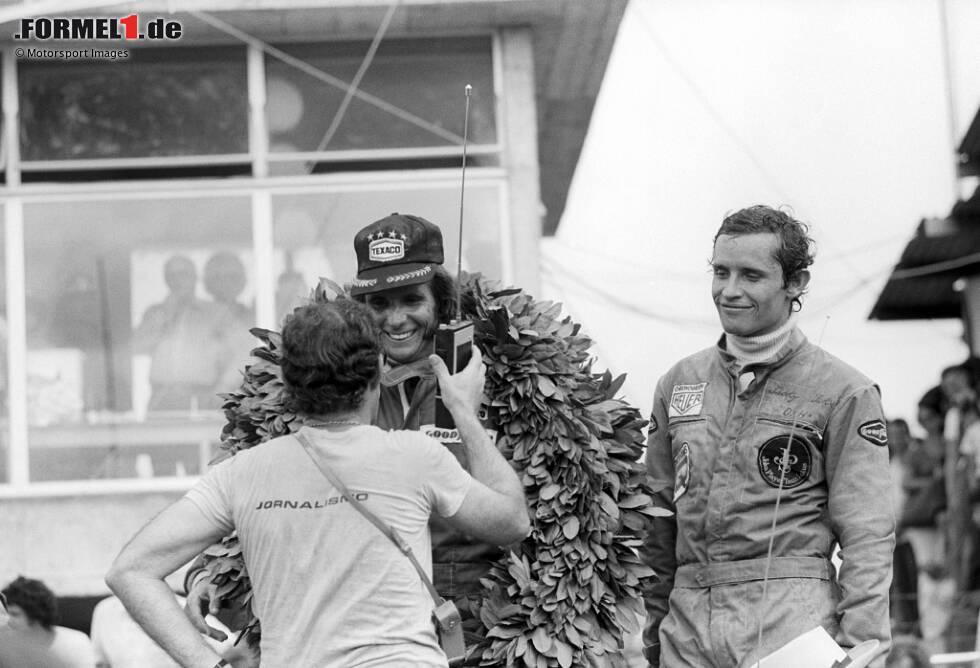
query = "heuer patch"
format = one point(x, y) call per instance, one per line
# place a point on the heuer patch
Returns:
point(874, 432)
point(682, 470)
point(653, 426)
point(686, 400)
point(785, 467)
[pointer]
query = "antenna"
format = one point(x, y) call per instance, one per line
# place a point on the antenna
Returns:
point(462, 196)
point(454, 340)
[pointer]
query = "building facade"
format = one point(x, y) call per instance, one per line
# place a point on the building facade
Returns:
point(162, 195)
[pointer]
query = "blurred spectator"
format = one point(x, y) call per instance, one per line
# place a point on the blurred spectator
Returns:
point(956, 384)
point(291, 291)
point(31, 639)
point(923, 518)
point(224, 280)
point(185, 340)
point(121, 643)
point(899, 440)
point(904, 593)
point(907, 652)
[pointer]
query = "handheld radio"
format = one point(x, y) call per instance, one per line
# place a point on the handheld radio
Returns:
point(454, 340)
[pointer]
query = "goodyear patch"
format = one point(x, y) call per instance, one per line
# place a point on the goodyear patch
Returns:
point(874, 432)
point(785, 467)
point(686, 400)
point(682, 470)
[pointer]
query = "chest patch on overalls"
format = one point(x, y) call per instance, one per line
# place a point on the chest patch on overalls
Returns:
point(792, 467)
point(682, 470)
point(686, 400)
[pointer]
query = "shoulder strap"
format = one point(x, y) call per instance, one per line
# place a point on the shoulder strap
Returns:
point(385, 528)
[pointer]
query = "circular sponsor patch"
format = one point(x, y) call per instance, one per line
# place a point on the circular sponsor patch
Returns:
point(792, 467)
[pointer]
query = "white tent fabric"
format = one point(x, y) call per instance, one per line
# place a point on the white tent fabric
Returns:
point(836, 109)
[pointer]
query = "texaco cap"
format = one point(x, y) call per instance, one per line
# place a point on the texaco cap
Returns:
point(395, 251)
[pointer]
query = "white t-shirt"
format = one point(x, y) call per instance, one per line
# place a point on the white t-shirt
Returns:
point(328, 587)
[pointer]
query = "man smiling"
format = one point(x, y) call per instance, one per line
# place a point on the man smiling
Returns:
point(773, 451)
point(400, 277)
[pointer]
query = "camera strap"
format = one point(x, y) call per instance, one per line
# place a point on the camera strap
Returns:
point(385, 528)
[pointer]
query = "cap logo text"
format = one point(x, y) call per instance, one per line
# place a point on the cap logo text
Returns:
point(386, 250)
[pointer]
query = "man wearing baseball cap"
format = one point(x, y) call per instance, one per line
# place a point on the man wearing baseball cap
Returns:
point(400, 277)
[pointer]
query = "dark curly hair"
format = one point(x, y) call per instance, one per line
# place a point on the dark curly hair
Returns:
point(796, 247)
point(330, 356)
point(35, 599)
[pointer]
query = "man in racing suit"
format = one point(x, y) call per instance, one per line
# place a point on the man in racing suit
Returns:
point(408, 315)
point(772, 451)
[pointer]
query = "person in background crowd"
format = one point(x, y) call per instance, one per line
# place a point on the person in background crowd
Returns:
point(904, 594)
point(921, 520)
point(224, 281)
point(185, 342)
point(765, 420)
point(31, 637)
point(956, 385)
point(907, 653)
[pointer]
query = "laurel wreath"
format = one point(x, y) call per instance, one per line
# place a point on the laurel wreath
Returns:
point(566, 595)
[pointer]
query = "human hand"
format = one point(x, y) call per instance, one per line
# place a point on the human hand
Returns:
point(461, 391)
point(241, 656)
point(202, 600)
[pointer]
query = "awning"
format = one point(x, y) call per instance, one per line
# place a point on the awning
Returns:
point(941, 252)
point(969, 150)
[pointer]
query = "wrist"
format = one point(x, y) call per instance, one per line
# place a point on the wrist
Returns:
point(459, 408)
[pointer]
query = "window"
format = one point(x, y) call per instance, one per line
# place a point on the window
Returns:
point(161, 102)
point(423, 79)
point(137, 315)
point(138, 297)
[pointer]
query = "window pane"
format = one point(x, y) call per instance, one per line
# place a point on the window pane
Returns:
point(423, 77)
point(4, 431)
point(137, 316)
point(314, 234)
point(158, 102)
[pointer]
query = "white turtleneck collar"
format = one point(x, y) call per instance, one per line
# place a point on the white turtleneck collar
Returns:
point(756, 349)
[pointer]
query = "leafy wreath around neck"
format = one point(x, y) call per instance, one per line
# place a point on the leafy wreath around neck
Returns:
point(568, 593)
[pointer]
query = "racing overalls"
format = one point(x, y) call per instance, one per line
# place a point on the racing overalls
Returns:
point(718, 438)
point(458, 561)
